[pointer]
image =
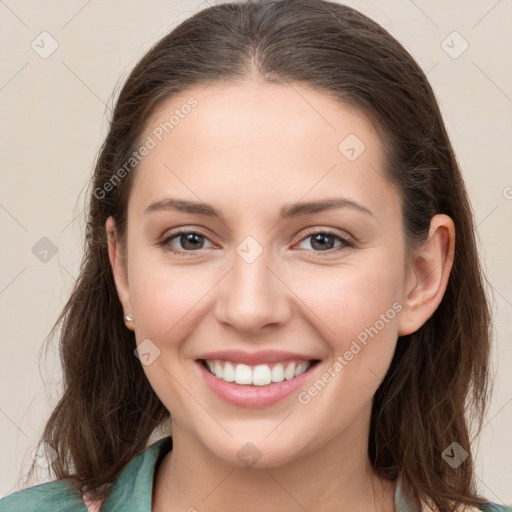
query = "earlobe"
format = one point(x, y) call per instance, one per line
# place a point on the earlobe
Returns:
point(428, 273)
point(119, 271)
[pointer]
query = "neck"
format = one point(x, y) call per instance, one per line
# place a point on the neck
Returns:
point(336, 477)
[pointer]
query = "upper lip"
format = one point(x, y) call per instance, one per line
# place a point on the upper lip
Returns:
point(253, 358)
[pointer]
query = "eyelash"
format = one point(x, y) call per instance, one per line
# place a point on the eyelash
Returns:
point(345, 243)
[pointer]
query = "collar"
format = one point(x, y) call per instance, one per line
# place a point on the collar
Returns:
point(134, 487)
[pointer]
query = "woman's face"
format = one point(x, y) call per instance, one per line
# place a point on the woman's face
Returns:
point(276, 277)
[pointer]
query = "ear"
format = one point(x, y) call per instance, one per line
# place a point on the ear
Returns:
point(427, 275)
point(118, 264)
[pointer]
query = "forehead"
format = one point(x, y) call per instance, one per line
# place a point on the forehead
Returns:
point(255, 111)
point(256, 137)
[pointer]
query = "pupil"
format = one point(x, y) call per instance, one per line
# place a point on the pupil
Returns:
point(191, 238)
point(320, 238)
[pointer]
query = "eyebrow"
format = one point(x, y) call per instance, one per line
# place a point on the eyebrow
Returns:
point(286, 212)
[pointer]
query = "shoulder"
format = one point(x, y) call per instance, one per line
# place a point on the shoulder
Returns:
point(56, 496)
point(402, 504)
point(134, 488)
point(494, 507)
point(487, 507)
point(483, 507)
point(131, 491)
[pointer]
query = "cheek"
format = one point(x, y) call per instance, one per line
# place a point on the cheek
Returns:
point(346, 300)
point(357, 310)
point(360, 327)
point(165, 298)
point(166, 303)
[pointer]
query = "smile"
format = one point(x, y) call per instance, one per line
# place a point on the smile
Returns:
point(257, 375)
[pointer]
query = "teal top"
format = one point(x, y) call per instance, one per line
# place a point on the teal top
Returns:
point(131, 492)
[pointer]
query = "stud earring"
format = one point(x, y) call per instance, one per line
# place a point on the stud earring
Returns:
point(128, 318)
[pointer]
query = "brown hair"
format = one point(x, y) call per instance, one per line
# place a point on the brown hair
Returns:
point(438, 384)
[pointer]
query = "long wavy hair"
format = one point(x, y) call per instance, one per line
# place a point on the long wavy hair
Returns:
point(437, 388)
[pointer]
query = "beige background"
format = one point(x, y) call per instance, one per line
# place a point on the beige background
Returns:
point(52, 124)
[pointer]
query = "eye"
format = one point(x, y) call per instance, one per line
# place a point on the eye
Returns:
point(193, 241)
point(324, 241)
point(190, 241)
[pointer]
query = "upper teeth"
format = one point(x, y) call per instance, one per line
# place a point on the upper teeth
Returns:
point(259, 375)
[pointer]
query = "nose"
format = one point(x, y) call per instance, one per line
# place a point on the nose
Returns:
point(253, 296)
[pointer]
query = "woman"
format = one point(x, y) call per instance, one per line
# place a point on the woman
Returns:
point(281, 262)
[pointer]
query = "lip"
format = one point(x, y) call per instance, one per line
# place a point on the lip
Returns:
point(244, 395)
point(254, 358)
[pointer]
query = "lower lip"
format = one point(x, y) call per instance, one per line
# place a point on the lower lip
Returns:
point(244, 395)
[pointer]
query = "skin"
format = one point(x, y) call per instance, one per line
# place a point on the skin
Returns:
point(249, 149)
